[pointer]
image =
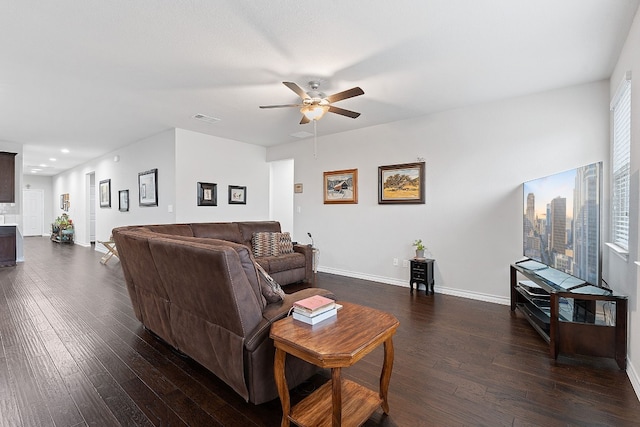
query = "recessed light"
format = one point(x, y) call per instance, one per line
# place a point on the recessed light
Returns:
point(51, 159)
point(42, 165)
point(65, 150)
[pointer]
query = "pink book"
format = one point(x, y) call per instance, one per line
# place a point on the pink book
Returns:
point(314, 303)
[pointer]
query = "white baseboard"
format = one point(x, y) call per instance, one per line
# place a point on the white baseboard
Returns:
point(405, 284)
point(633, 377)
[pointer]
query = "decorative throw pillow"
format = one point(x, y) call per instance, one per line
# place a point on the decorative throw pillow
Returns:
point(285, 246)
point(265, 243)
point(271, 290)
point(268, 243)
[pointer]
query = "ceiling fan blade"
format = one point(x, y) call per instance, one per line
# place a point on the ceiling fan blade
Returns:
point(297, 89)
point(343, 112)
point(281, 106)
point(304, 120)
point(350, 93)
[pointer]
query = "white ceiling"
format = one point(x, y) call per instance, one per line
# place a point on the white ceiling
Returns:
point(96, 75)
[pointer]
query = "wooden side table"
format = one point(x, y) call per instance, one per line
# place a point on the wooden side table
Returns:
point(335, 343)
point(422, 272)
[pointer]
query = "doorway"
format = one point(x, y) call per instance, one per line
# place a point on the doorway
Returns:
point(33, 218)
point(90, 181)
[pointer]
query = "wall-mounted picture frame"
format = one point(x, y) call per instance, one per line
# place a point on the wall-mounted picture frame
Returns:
point(341, 187)
point(123, 198)
point(105, 193)
point(403, 183)
point(207, 194)
point(64, 202)
point(297, 188)
point(237, 195)
point(148, 188)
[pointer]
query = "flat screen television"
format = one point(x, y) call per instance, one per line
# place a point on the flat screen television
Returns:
point(562, 221)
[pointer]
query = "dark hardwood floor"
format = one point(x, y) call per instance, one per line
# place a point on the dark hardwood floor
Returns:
point(73, 354)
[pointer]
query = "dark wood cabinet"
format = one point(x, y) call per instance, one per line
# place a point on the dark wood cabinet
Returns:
point(7, 246)
point(574, 317)
point(422, 272)
point(7, 177)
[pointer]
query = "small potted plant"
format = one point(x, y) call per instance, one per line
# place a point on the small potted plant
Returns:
point(419, 248)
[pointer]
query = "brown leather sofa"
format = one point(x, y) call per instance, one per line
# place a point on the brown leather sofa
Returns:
point(284, 268)
point(204, 296)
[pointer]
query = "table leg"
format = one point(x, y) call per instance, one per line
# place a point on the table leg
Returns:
point(336, 399)
point(385, 376)
point(281, 383)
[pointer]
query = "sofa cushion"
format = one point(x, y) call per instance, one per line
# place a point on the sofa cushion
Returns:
point(172, 229)
point(274, 264)
point(218, 230)
point(247, 228)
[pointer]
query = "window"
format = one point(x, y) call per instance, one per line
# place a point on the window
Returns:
point(621, 164)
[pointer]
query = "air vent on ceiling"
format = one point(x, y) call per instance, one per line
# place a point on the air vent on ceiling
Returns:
point(302, 134)
point(206, 118)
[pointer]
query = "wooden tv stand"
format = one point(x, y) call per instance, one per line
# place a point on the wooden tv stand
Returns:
point(577, 319)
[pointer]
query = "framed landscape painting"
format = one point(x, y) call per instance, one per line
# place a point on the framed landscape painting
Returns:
point(341, 186)
point(402, 183)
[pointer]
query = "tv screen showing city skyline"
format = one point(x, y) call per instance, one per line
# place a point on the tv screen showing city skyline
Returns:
point(561, 221)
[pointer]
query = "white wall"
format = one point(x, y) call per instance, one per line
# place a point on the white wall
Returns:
point(476, 160)
point(205, 158)
point(155, 152)
point(622, 274)
point(281, 194)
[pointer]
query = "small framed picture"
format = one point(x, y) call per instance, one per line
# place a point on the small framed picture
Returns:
point(207, 194)
point(148, 188)
point(297, 188)
point(341, 186)
point(123, 197)
point(105, 193)
point(237, 195)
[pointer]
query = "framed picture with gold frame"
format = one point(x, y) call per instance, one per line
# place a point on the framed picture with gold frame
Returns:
point(402, 183)
point(341, 187)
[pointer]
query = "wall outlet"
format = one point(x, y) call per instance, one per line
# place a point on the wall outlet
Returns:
point(395, 262)
point(405, 263)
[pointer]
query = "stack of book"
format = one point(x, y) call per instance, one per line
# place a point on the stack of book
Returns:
point(314, 309)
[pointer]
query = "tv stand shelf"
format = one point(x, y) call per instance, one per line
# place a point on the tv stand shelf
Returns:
point(574, 317)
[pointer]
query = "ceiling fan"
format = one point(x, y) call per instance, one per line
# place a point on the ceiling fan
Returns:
point(315, 103)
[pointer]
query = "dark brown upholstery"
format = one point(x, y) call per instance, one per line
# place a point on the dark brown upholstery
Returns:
point(202, 296)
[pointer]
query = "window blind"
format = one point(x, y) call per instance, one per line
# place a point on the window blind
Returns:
point(621, 164)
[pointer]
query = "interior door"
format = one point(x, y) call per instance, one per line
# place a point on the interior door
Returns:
point(33, 213)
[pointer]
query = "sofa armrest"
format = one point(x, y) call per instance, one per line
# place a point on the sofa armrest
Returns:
point(279, 310)
point(307, 251)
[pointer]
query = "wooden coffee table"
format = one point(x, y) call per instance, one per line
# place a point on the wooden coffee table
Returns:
point(335, 343)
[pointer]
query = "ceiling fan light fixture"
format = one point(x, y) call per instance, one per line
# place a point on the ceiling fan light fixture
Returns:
point(314, 112)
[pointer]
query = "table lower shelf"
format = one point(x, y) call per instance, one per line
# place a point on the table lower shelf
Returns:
point(358, 403)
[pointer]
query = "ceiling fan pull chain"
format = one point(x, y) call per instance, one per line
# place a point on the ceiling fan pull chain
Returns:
point(315, 139)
